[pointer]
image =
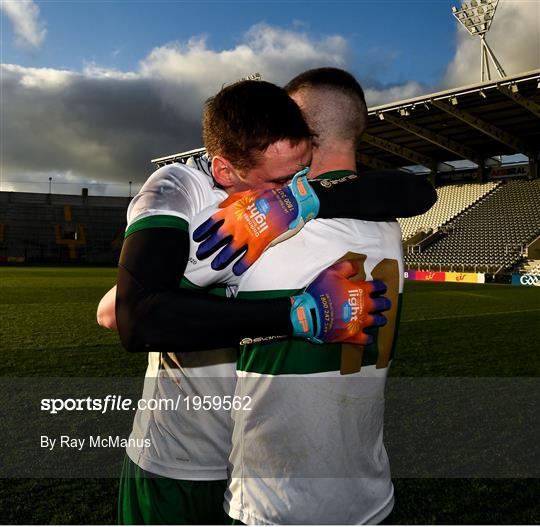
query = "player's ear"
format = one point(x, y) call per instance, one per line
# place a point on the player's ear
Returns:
point(223, 172)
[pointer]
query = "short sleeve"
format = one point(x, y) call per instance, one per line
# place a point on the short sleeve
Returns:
point(170, 198)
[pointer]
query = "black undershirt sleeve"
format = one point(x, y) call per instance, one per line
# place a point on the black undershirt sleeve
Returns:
point(375, 196)
point(154, 314)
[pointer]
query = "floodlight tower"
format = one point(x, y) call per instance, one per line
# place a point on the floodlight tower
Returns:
point(476, 18)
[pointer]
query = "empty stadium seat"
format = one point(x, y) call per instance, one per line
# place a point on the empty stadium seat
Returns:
point(30, 222)
point(490, 236)
point(452, 200)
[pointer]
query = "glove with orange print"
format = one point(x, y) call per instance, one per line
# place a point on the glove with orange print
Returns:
point(334, 308)
point(247, 223)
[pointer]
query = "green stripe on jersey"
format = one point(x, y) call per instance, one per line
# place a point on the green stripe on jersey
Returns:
point(260, 295)
point(299, 357)
point(153, 222)
point(187, 284)
point(215, 289)
point(289, 356)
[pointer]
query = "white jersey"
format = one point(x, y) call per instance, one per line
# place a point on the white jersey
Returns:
point(309, 449)
point(183, 444)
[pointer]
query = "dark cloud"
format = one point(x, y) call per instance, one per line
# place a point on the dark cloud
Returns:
point(102, 128)
point(106, 125)
point(103, 125)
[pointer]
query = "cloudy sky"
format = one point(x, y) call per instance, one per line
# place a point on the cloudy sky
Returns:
point(92, 90)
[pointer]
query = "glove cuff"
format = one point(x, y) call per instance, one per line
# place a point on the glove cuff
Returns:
point(302, 310)
point(308, 201)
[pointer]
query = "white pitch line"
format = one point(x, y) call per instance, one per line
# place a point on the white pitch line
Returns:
point(471, 315)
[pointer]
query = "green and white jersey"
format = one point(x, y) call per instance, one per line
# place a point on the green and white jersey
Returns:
point(184, 443)
point(308, 442)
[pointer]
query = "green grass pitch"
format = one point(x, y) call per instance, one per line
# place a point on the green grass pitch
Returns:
point(48, 328)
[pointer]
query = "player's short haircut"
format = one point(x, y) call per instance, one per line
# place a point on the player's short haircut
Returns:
point(245, 118)
point(334, 103)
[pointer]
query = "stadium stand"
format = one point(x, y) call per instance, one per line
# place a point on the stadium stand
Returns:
point(452, 200)
point(479, 227)
point(61, 228)
point(489, 236)
point(482, 227)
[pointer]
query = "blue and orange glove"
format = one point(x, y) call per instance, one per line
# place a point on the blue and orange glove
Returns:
point(334, 308)
point(250, 222)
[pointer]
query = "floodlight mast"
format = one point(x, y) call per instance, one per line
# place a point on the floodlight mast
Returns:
point(476, 18)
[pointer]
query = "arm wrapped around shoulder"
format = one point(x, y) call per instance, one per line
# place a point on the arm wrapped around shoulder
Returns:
point(376, 195)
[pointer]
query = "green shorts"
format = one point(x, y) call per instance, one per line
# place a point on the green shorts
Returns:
point(145, 498)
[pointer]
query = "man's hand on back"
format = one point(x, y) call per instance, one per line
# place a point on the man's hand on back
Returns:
point(334, 308)
point(247, 223)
